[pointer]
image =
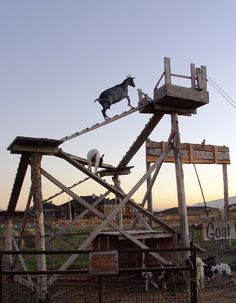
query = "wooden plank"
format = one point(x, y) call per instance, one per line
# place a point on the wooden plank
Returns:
point(169, 109)
point(116, 171)
point(47, 150)
point(167, 70)
point(199, 79)
point(20, 175)
point(204, 77)
point(192, 70)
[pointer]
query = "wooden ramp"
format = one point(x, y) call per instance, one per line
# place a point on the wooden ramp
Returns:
point(97, 125)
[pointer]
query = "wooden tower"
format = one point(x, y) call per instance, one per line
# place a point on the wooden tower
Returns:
point(167, 99)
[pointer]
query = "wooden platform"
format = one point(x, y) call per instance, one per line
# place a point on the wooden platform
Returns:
point(30, 144)
point(180, 97)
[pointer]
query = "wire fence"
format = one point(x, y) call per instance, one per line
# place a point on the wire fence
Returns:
point(85, 286)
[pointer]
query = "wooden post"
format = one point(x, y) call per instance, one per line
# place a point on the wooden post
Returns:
point(226, 194)
point(167, 70)
point(180, 185)
point(149, 199)
point(39, 219)
point(193, 80)
point(119, 217)
point(8, 242)
point(204, 77)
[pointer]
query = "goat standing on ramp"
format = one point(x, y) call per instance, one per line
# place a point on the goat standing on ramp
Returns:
point(115, 94)
point(94, 159)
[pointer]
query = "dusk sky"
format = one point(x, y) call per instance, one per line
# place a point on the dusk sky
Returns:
point(56, 57)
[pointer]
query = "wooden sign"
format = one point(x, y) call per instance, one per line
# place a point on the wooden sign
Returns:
point(189, 153)
point(219, 230)
point(103, 263)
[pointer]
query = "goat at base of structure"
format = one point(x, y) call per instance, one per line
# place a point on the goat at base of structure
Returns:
point(115, 94)
point(200, 273)
point(94, 159)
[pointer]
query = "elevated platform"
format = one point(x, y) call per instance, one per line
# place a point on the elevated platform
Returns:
point(169, 97)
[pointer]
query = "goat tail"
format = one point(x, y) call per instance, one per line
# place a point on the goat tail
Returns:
point(96, 100)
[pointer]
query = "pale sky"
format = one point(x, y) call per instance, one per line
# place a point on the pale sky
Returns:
point(58, 56)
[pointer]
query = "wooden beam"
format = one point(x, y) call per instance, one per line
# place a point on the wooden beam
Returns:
point(20, 175)
point(155, 119)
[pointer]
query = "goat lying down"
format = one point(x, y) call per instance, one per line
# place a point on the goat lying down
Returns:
point(115, 94)
point(94, 159)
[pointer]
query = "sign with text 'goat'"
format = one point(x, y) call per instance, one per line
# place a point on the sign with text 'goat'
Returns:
point(219, 230)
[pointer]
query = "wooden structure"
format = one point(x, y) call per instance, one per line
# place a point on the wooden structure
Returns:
point(168, 99)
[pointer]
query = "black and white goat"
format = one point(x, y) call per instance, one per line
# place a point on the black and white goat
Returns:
point(154, 278)
point(215, 270)
point(94, 159)
point(115, 94)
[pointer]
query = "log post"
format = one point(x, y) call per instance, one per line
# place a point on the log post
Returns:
point(119, 216)
point(226, 193)
point(180, 185)
point(8, 242)
point(39, 220)
point(149, 199)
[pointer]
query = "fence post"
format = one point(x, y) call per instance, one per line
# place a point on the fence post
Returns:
point(99, 289)
point(193, 275)
point(1, 277)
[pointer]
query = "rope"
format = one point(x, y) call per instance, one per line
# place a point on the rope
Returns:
point(230, 100)
point(199, 182)
point(62, 191)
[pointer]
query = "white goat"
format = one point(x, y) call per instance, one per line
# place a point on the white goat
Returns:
point(200, 273)
point(94, 159)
